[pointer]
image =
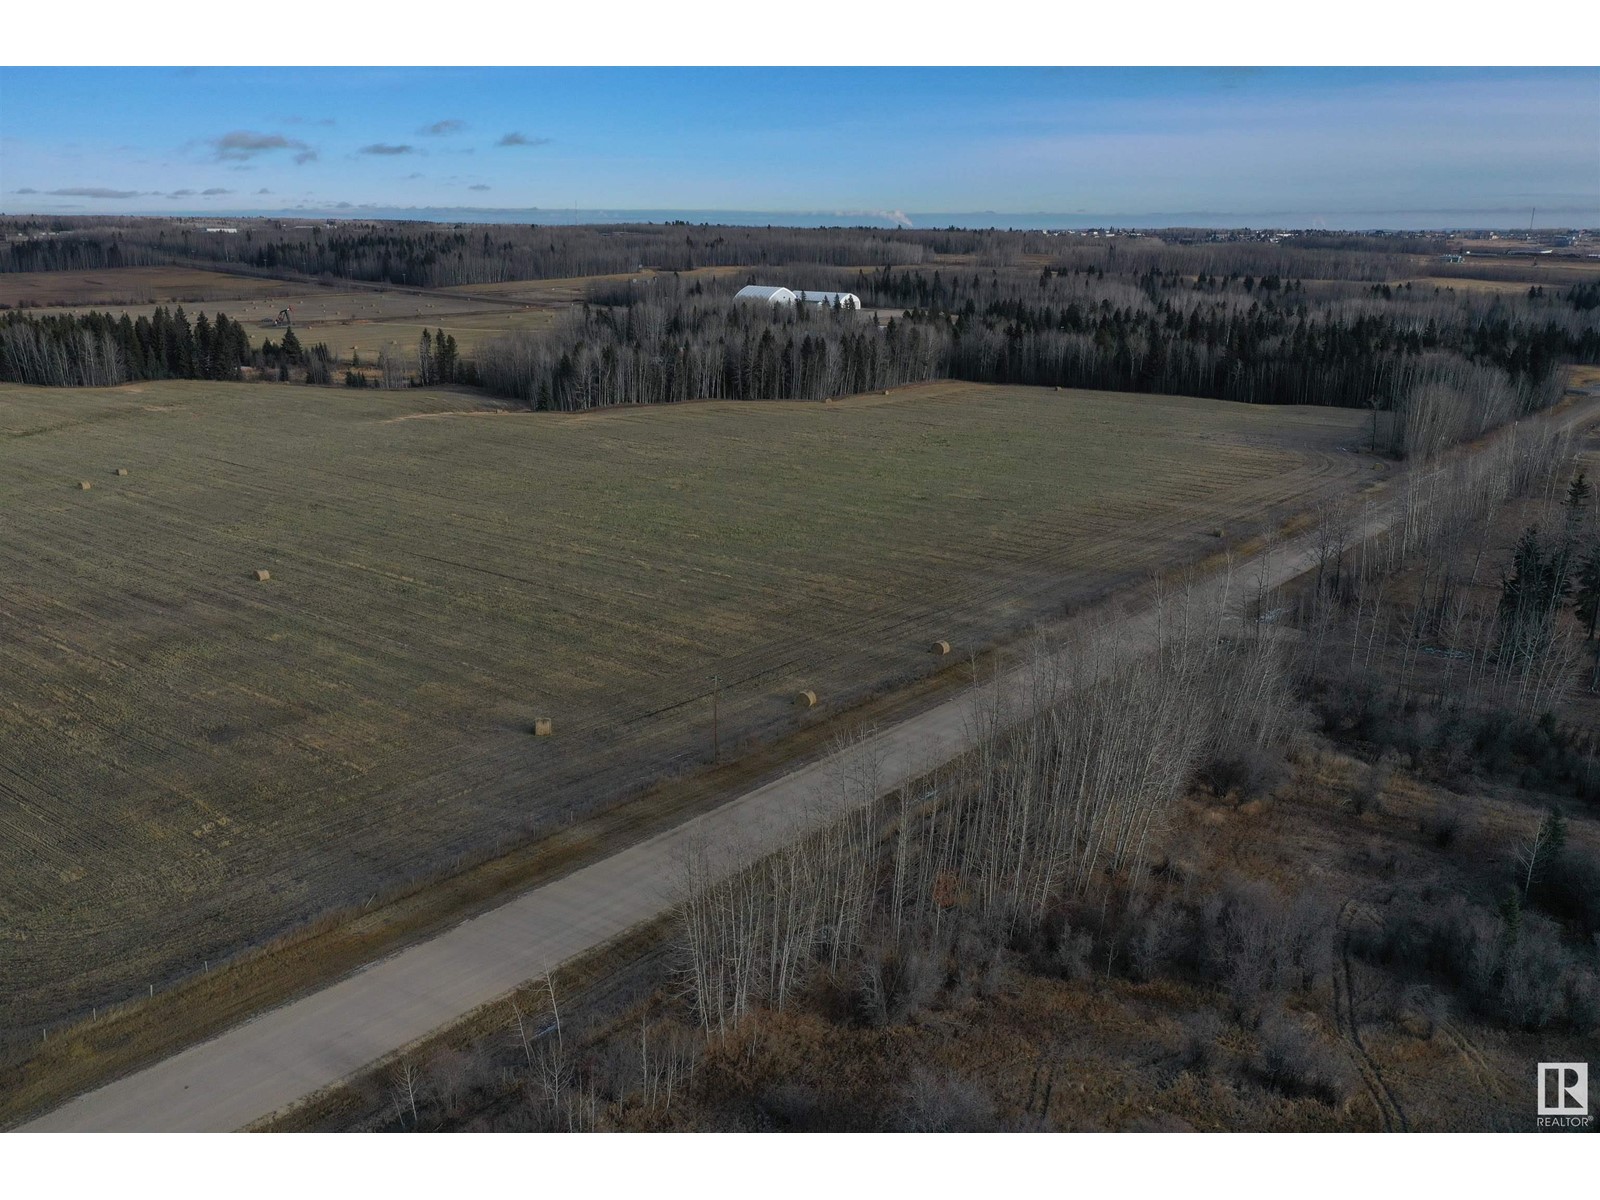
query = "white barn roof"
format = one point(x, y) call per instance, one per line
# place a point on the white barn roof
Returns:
point(765, 295)
point(842, 299)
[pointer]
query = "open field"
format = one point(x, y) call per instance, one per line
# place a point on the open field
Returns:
point(362, 322)
point(195, 759)
point(573, 290)
point(470, 326)
point(1562, 269)
point(133, 286)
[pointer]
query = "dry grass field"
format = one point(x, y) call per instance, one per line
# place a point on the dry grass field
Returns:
point(192, 759)
point(132, 286)
point(573, 290)
point(1559, 270)
point(359, 322)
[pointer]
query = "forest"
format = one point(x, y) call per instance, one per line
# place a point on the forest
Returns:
point(1320, 319)
point(1445, 366)
point(102, 350)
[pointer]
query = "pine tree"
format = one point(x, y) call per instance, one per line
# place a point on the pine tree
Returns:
point(1579, 495)
point(426, 371)
point(1531, 594)
point(445, 357)
point(204, 368)
point(1586, 602)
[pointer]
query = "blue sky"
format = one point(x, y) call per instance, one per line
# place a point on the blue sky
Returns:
point(1331, 146)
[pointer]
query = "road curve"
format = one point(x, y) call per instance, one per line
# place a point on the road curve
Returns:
point(288, 1053)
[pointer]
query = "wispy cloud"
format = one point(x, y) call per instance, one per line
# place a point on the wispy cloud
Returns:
point(217, 192)
point(242, 144)
point(443, 128)
point(479, 187)
point(263, 191)
point(520, 139)
point(96, 193)
point(386, 148)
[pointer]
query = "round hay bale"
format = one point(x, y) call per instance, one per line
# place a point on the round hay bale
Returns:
point(940, 647)
point(263, 576)
point(543, 727)
point(84, 485)
point(805, 700)
point(122, 470)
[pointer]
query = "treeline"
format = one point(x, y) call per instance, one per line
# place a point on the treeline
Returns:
point(1443, 367)
point(425, 254)
point(102, 350)
point(1507, 652)
point(1049, 812)
point(658, 353)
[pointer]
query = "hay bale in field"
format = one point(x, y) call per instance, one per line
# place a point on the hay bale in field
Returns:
point(263, 576)
point(1219, 531)
point(122, 470)
point(940, 647)
point(84, 485)
point(543, 727)
point(806, 700)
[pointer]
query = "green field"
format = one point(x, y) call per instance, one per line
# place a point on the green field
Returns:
point(191, 760)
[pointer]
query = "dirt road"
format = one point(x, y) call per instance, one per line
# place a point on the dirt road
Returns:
point(285, 1055)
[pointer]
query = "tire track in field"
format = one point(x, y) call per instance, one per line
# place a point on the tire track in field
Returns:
point(1391, 1117)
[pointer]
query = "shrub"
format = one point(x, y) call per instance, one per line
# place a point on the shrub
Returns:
point(1297, 1062)
point(896, 982)
point(942, 1102)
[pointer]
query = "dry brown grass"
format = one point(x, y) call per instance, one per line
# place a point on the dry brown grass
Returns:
point(1558, 270)
point(132, 286)
point(562, 292)
point(354, 322)
point(199, 762)
point(1103, 1053)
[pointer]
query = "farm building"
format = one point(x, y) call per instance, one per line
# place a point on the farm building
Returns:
point(757, 294)
point(760, 294)
point(841, 299)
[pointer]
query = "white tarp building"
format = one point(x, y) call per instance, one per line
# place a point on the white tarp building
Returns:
point(841, 299)
point(765, 295)
point(760, 294)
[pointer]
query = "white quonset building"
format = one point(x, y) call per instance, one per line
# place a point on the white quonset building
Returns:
point(831, 299)
point(756, 294)
point(760, 294)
